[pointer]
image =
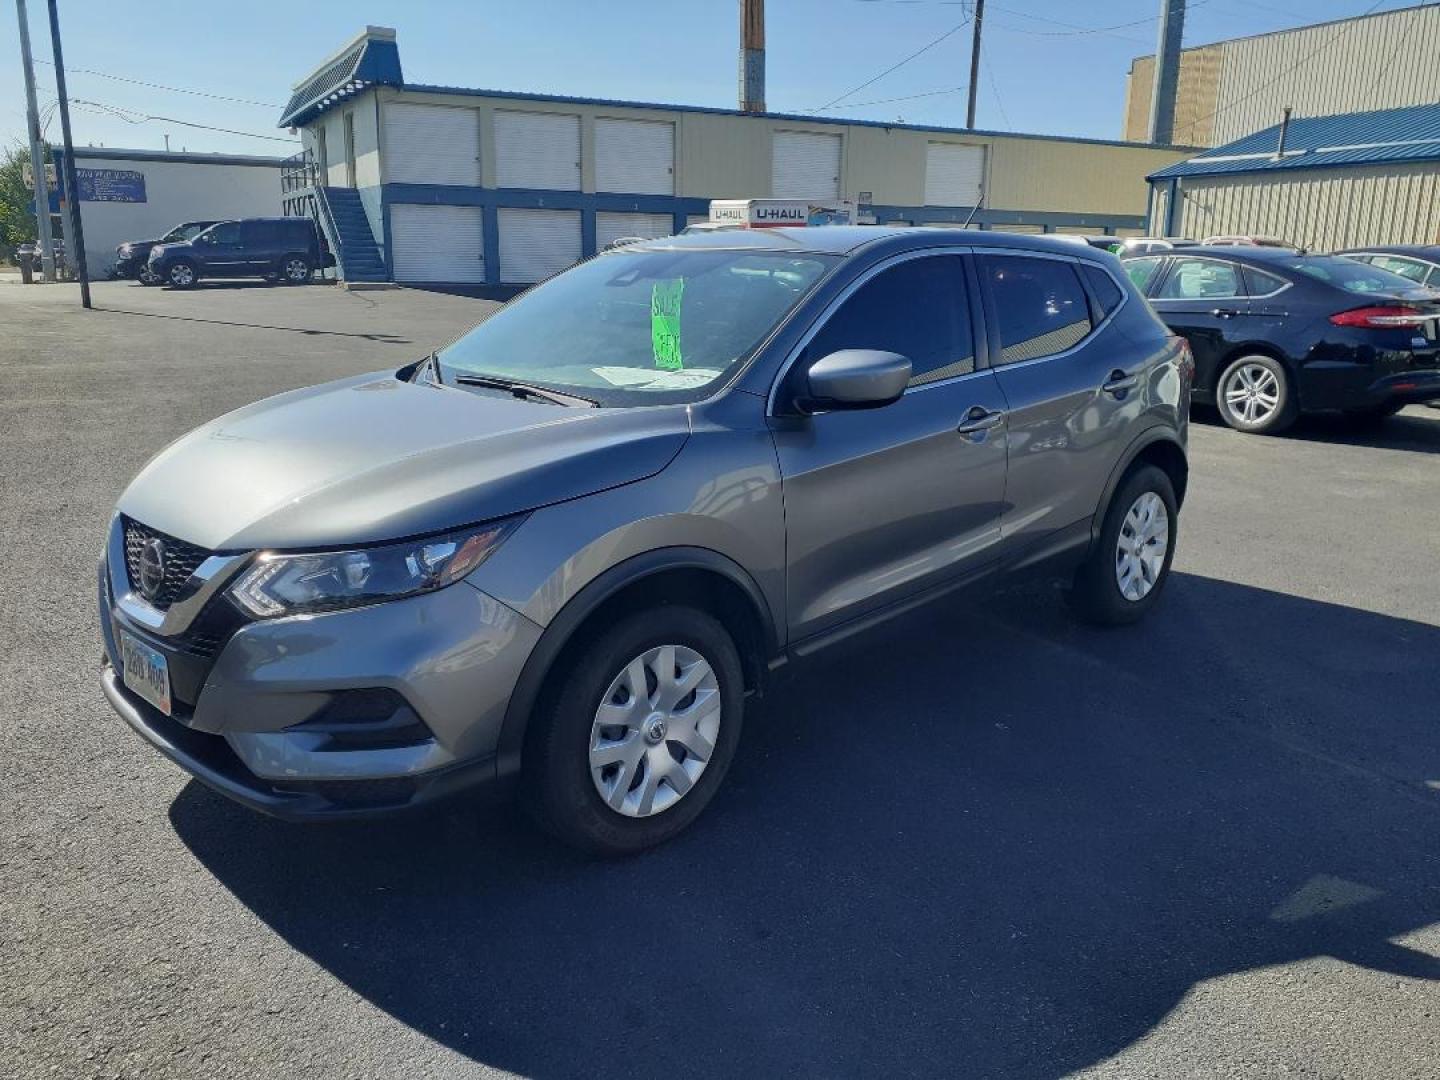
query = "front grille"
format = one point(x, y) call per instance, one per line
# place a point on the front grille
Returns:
point(181, 560)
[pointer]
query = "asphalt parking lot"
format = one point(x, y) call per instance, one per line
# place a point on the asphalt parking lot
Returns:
point(983, 842)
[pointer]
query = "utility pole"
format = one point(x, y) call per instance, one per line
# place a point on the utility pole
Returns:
point(975, 64)
point(752, 56)
point(72, 185)
point(37, 150)
point(1167, 71)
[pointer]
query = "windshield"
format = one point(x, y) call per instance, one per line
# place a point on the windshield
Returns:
point(185, 232)
point(639, 327)
point(1352, 276)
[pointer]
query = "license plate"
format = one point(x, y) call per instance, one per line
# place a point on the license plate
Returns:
point(146, 671)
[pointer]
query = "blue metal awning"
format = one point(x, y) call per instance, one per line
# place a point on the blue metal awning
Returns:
point(372, 59)
point(1314, 142)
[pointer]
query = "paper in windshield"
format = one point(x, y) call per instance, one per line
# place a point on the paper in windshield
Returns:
point(665, 299)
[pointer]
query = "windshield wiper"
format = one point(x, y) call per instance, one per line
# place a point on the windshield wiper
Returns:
point(525, 390)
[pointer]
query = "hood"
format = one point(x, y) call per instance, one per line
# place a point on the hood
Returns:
point(372, 458)
point(170, 245)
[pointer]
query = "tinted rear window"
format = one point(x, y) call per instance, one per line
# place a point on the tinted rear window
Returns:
point(1352, 276)
point(1039, 304)
point(1142, 271)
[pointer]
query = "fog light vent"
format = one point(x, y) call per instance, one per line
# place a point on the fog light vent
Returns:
point(370, 719)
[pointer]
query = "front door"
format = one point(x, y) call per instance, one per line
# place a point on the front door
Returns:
point(221, 251)
point(350, 149)
point(1203, 300)
point(881, 504)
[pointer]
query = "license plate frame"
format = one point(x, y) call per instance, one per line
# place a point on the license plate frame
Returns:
point(146, 671)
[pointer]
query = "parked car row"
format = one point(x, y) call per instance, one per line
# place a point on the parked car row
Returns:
point(284, 249)
point(1276, 333)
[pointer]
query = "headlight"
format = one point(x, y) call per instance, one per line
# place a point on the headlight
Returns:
point(278, 584)
point(124, 249)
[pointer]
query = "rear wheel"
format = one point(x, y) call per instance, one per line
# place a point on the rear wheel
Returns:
point(1127, 568)
point(1255, 395)
point(637, 740)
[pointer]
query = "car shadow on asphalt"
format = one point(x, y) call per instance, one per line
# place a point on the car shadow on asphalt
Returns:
point(983, 841)
point(310, 331)
point(1417, 429)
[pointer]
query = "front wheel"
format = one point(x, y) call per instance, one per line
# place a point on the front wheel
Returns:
point(637, 739)
point(1255, 395)
point(148, 277)
point(1128, 566)
point(182, 275)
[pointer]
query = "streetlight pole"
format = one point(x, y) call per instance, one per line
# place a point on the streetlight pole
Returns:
point(37, 150)
point(72, 185)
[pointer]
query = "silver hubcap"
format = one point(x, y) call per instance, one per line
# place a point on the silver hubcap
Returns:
point(1140, 551)
point(655, 730)
point(182, 275)
point(297, 270)
point(1252, 393)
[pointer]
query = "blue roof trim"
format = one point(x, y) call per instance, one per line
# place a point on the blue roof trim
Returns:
point(516, 95)
point(373, 59)
point(1383, 136)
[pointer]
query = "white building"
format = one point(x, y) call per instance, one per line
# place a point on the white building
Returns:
point(141, 194)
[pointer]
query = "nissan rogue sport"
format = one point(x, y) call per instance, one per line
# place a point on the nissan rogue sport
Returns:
point(564, 554)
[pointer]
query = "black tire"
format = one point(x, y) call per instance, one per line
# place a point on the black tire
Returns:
point(295, 269)
point(182, 274)
point(145, 277)
point(1277, 418)
point(558, 788)
point(1095, 594)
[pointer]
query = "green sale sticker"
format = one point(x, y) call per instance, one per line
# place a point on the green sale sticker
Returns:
point(665, 298)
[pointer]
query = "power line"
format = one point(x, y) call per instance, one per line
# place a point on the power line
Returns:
point(903, 97)
point(172, 89)
point(141, 118)
point(995, 90)
point(895, 67)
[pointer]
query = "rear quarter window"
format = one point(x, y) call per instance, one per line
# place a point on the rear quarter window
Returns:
point(1142, 271)
point(1103, 286)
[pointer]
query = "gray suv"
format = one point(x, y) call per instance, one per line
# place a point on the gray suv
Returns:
point(566, 553)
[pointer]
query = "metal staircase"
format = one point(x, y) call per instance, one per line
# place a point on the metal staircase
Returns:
point(357, 256)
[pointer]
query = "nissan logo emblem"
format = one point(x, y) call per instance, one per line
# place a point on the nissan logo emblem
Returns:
point(152, 568)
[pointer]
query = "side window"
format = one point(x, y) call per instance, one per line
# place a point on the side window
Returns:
point(1039, 305)
point(1192, 279)
point(1259, 283)
point(1433, 280)
point(1103, 286)
point(227, 232)
point(918, 309)
point(1142, 271)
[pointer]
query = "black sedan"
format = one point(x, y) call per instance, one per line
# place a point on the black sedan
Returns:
point(1418, 262)
point(1276, 334)
point(133, 256)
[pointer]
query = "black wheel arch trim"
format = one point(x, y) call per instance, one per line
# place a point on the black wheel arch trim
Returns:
point(1157, 433)
point(561, 630)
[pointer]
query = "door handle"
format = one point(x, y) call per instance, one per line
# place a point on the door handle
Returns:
point(1119, 382)
point(980, 419)
point(1224, 312)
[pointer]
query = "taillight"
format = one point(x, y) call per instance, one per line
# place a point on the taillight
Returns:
point(1381, 318)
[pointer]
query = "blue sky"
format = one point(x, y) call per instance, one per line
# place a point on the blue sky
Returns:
point(1047, 69)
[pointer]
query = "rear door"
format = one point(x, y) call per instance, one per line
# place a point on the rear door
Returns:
point(881, 504)
point(1073, 393)
point(1203, 299)
point(258, 244)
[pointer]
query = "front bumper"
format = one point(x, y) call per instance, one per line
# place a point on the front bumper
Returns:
point(264, 720)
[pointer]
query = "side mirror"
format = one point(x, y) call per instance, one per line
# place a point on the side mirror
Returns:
point(855, 379)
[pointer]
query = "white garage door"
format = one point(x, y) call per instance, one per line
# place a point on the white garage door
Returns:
point(437, 243)
point(612, 226)
point(537, 243)
point(537, 150)
point(431, 144)
point(635, 156)
point(953, 174)
point(805, 166)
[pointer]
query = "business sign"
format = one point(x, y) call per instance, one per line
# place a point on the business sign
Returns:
point(772, 213)
point(110, 185)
